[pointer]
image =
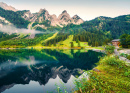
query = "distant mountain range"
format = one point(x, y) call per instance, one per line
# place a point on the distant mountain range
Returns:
point(43, 21)
point(6, 7)
point(43, 16)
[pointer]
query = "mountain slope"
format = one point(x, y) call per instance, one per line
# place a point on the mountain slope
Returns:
point(111, 27)
point(6, 7)
point(14, 18)
point(43, 16)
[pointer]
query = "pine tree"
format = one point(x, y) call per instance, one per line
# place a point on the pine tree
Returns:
point(72, 44)
point(77, 40)
point(78, 43)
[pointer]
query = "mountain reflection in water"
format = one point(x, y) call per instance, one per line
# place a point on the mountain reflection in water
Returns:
point(31, 71)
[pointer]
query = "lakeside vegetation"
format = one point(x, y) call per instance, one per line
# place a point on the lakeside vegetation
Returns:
point(52, 40)
point(125, 40)
point(111, 75)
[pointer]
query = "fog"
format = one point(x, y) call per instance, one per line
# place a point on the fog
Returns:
point(12, 29)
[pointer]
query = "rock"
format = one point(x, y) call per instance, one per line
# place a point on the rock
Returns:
point(96, 70)
point(6, 7)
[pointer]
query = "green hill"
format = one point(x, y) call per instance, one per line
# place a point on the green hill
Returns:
point(14, 18)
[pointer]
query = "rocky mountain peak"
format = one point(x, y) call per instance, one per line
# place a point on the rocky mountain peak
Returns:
point(76, 20)
point(6, 7)
point(76, 17)
point(43, 11)
point(64, 11)
point(43, 16)
point(64, 16)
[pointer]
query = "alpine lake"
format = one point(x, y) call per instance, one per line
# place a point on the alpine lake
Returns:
point(43, 70)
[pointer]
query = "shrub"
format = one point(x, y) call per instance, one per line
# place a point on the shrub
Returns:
point(109, 49)
point(124, 55)
point(113, 77)
point(113, 61)
point(128, 57)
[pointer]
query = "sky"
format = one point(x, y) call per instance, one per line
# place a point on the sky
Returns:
point(86, 9)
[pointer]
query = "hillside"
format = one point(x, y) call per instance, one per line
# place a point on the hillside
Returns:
point(111, 27)
point(14, 18)
point(96, 32)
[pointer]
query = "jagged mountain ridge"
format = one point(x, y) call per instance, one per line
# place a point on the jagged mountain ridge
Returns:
point(6, 7)
point(43, 15)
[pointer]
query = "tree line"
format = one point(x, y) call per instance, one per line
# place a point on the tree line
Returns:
point(125, 40)
point(92, 38)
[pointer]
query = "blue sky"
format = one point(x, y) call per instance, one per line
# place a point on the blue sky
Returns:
point(86, 9)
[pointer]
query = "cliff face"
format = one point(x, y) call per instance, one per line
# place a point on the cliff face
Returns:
point(43, 18)
point(6, 7)
point(43, 15)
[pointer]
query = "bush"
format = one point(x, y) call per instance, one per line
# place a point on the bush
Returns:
point(113, 76)
point(113, 61)
point(128, 57)
point(109, 49)
point(124, 55)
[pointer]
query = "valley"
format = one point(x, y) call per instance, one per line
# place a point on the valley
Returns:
point(63, 52)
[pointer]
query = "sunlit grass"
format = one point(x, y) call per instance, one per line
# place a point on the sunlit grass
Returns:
point(113, 76)
point(49, 38)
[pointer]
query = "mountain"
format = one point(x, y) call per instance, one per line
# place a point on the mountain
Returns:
point(43, 16)
point(41, 19)
point(3, 21)
point(116, 26)
point(111, 27)
point(14, 18)
point(6, 7)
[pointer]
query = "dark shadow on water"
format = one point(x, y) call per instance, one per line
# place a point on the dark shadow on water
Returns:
point(23, 66)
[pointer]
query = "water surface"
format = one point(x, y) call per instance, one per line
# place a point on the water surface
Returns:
point(42, 71)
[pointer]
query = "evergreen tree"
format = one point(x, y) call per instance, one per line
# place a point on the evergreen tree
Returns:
point(77, 40)
point(72, 44)
point(78, 43)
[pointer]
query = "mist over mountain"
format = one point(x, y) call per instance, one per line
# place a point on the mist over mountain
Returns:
point(40, 19)
point(43, 21)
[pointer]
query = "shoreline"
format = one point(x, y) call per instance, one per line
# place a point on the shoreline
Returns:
point(90, 48)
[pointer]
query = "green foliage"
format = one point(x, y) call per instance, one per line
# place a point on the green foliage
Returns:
point(58, 38)
point(7, 37)
point(17, 43)
point(124, 55)
point(46, 23)
point(14, 18)
point(110, 27)
point(40, 29)
point(125, 40)
point(77, 40)
point(113, 76)
point(128, 57)
point(109, 49)
point(93, 39)
point(78, 43)
point(72, 44)
point(113, 61)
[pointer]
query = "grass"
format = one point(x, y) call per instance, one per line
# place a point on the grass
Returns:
point(49, 38)
point(42, 41)
point(66, 43)
point(113, 76)
point(61, 45)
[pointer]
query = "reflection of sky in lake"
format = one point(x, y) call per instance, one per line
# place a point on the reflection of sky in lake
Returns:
point(35, 87)
point(31, 71)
